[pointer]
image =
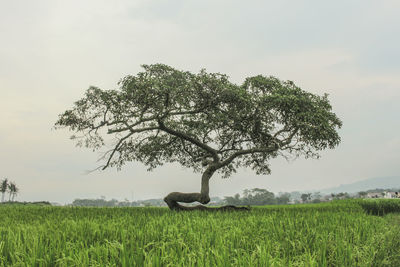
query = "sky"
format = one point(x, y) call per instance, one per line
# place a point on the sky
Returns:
point(52, 51)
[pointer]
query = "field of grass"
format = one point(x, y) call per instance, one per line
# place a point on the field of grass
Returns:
point(341, 233)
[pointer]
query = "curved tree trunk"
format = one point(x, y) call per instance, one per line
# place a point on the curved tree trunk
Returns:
point(203, 197)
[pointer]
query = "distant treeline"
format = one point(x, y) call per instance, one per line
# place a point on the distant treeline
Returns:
point(102, 202)
point(35, 203)
point(258, 196)
point(253, 197)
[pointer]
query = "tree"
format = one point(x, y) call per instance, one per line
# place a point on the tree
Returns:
point(10, 190)
point(283, 198)
point(305, 197)
point(235, 200)
point(13, 189)
point(342, 195)
point(296, 196)
point(3, 188)
point(202, 121)
point(258, 196)
point(316, 196)
point(362, 194)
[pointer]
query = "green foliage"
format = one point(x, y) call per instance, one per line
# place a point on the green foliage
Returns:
point(329, 234)
point(11, 187)
point(166, 115)
point(4, 185)
point(3, 188)
point(380, 206)
point(341, 195)
point(257, 196)
point(305, 197)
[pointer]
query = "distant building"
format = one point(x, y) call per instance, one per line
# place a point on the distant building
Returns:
point(384, 194)
point(390, 195)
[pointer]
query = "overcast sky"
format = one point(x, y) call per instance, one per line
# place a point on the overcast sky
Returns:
point(52, 51)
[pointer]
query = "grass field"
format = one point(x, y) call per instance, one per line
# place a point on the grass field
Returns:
point(341, 233)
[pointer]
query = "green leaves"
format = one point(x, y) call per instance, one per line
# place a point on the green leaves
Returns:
point(203, 116)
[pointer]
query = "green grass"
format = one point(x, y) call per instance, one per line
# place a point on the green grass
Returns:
point(328, 234)
point(380, 206)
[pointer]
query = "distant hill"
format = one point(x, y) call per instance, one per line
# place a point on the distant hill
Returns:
point(364, 185)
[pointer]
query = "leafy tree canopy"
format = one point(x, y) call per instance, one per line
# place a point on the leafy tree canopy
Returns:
point(200, 120)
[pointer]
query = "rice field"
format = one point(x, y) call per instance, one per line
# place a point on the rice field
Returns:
point(340, 233)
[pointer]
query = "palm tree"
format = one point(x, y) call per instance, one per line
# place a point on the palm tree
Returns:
point(3, 188)
point(11, 189)
point(14, 191)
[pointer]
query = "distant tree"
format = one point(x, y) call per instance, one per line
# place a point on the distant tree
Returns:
point(258, 196)
point(342, 195)
point(296, 195)
point(10, 190)
point(283, 198)
point(362, 194)
point(202, 121)
point(316, 195)
point(246, 193)
point(255, 196)
point(235, 200)
point(305, 197)
point(3, 188)
point(14, 190)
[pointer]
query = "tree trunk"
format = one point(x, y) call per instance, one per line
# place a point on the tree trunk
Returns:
point(203, 197)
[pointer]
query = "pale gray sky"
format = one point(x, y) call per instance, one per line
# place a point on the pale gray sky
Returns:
point(51, 51)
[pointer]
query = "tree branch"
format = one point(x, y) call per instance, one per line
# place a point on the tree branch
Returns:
point(132, 131)
point(244, 152)
point(114, 150)
point(142, 120)
point(289, 138)
point(192, 140)
point(130, 127)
